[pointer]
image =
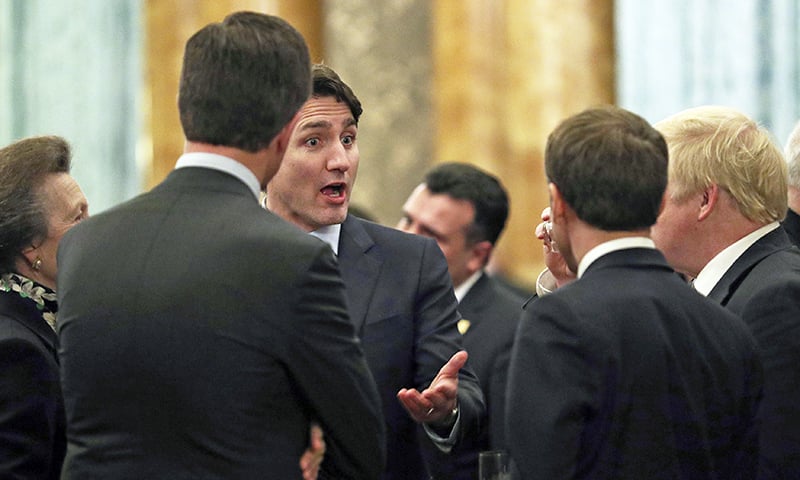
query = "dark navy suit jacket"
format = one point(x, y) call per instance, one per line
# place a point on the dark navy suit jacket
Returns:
point(200, 335)
point(402, 303)
point(763, 287)
point(627, 373)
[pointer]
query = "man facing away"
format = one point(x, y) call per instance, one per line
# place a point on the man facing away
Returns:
point(464, 209)
point(625, 373)
point(200, 335)
point(398, 289)
point(792, 221)
point(727, 192)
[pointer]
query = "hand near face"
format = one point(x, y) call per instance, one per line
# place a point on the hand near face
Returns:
point(435, 404)
point(553, 260)
point(312, 457)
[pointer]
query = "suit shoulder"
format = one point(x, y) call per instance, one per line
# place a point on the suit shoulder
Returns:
point(399, 243)
point(781, 261)
point(777, 271)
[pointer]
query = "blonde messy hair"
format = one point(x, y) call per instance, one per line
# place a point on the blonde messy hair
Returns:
point(723, 146)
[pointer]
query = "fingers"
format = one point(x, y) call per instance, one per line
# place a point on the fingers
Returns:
point(546, 214)
point(541, 231)
point(456, 362)
point(317, 441)
point(313, 456)
point(417, 406)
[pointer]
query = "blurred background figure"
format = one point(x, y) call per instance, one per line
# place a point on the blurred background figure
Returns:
point(727, 192)
point(39, 202)
point(792, 221)
point(465, 209)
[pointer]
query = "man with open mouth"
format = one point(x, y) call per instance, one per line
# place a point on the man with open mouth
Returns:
point(398, 288)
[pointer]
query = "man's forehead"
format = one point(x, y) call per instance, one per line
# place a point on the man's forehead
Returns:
point(326, 109)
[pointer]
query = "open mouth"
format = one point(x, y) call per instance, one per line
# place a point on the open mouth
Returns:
point(334, 190)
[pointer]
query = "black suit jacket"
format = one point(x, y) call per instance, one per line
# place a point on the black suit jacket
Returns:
point(490, 314)
point(627, 373)
point(32, 423)
point(403, 307)
point(763, 287)
point(200, 335)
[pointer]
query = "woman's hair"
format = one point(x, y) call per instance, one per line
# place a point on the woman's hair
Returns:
point(24, 166)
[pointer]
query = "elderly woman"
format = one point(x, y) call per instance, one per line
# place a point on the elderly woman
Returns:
point(39, 201)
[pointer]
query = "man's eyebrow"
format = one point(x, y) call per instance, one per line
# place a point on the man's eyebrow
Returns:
point(317, 124)
point(327, 124)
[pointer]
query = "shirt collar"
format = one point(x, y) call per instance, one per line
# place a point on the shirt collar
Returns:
point(612, 246)
point(330, 235)
point(462, 290)
point(222, 164)
point(716, 268)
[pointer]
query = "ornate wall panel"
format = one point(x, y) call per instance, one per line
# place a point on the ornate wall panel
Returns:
point(382, 50)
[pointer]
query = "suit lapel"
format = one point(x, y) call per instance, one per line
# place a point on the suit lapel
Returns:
point(360, 264)
point(768, 244)
point(473, 304)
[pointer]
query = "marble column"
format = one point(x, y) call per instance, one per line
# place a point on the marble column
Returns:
point(505, 73)
point(382, 50)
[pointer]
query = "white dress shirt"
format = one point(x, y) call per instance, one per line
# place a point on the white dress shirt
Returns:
point(612, 246)
point(330, 235)
point(711, 274)
point(223, 164)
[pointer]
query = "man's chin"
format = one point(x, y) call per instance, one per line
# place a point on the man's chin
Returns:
point(334, 216)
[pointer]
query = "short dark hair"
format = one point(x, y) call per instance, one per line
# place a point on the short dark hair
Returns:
point(24, 166)
point(243, 80)
point(611, 167)
point(463, 181)
point(328, 84)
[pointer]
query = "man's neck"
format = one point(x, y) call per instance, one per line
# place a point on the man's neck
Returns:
point(588, 237)
point(794, 199)
point(254, 161)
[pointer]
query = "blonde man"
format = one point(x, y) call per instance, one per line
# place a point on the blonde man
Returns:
point(726, 194)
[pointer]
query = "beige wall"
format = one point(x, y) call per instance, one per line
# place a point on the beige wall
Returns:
point(480, 81)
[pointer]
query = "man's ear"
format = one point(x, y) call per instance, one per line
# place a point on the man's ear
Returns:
point(708, 201)
point(281, 141)
point(557, 203)
point(479, 257)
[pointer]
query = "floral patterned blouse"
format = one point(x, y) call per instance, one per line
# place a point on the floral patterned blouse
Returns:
point(43, 297)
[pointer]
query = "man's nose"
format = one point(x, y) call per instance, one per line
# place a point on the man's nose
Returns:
point(338, 159)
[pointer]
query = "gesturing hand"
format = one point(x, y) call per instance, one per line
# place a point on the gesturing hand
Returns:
point(436, 403)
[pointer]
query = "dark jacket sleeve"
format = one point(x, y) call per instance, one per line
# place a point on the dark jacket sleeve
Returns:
point(437, 331)
point(333, 374)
